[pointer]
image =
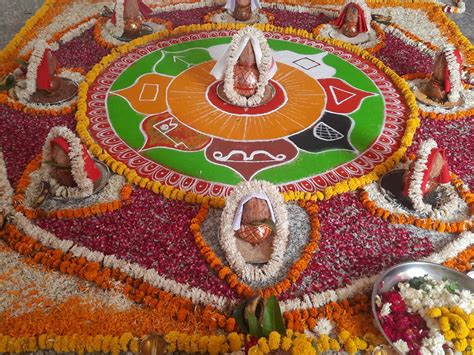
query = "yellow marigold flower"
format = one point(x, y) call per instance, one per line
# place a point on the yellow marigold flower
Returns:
point(459, 326)
point(361, 344)
point(460, 344)
point(134, 346)
point(4, 343)
point(274, 340)
point(444, 311)
point(89, 344)
point(285, 344)
point(263, 345)
point(106, 343)
point(171, 338)
point(254, 350)
point(289, 333)
point(444, 324)
point(57, 344)
point(449, 335)
point(323, 343)
point(470, 321)
point(41, 342)
point(18, 348)
point(334, 345)
point(434, 312)
point(65, 344)
point(350, 346)
point(124, 340)
point(471, 333)
point(344, 335)
point(458, 310)
point(115, 346)
point(214, 345)
point(194, 346)
point(203, 344)
point(234, 341)
point(80, 345)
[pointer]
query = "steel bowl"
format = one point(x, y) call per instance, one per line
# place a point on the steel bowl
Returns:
point(406, 271)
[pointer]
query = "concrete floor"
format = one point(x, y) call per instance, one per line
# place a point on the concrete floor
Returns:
point(15, 13)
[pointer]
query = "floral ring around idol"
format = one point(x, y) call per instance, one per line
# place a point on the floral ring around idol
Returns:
point(99, 186)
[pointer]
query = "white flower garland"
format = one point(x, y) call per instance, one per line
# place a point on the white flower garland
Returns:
point(48, 239)
point(117, 29)
point(454, 70)
point(227, 237)
point(415, 44)
point(76, 32)
point(6, 191)
point(28, 88)
point(453, 208)
point(85, 186)
point(416, 180)
point(263, 67)
point(365, 9)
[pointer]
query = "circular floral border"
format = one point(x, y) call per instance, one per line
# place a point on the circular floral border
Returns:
point(379, 158)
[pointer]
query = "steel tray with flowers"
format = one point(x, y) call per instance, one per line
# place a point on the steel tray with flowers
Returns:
point(425, 308)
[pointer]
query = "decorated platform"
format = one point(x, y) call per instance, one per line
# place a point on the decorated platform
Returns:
point(118, 196)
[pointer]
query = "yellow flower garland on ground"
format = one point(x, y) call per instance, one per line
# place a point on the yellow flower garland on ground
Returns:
point(75, 343)
point(174, 193)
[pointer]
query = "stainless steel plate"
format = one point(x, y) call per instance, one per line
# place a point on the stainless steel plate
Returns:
point(407, 271)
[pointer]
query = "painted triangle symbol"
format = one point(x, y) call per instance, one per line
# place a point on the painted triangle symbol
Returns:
point(340, 95)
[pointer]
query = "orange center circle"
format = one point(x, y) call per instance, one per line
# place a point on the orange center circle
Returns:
point(187, 101)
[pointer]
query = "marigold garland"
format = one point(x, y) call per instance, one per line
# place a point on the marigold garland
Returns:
point(136, 289)
point(87, 211)
point(175, 193)
point(226, 274)
point(74, 343)
point(413, 37)
point(425, 223)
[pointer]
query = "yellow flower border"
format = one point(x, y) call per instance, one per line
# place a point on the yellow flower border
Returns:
point(70, 343)
point(175, 193)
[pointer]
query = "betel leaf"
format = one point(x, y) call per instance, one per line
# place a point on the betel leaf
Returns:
point(272, 318)
point(239, 315)
point(254, 325)
point(417, 282)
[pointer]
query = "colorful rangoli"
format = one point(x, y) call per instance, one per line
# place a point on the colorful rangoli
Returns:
point(140, 260)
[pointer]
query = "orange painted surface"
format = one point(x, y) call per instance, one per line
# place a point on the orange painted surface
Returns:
point(187, 101)
point(148, 94)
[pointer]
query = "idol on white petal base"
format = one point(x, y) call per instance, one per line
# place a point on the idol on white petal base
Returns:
point(242, 10)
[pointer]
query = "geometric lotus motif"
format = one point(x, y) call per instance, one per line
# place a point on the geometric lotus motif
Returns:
point(148, 94)
point(342, 97)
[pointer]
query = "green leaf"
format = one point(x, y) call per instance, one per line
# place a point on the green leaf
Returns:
point(254, 325)
point(239, 316)
point(417, 282)
point(272, 318)
point(452, 286)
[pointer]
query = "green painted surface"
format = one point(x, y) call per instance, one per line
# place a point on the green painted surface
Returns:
point(174, 59)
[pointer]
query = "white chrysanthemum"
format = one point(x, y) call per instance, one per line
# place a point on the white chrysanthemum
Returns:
point(401, 346)
point(386, 309)
point(324, 327)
